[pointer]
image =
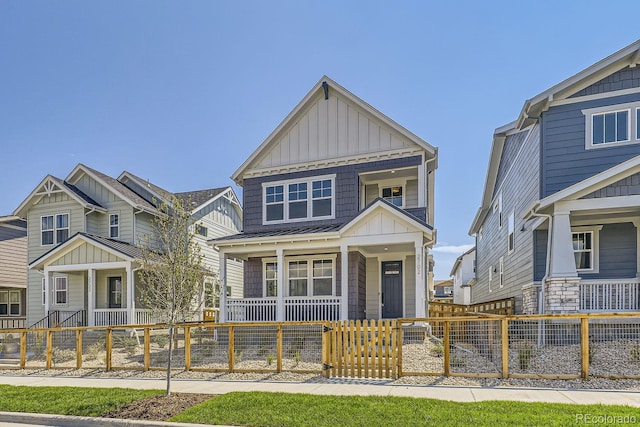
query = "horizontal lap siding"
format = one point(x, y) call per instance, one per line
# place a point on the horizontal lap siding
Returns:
point(565, 161)
point(520, 181)
point(617, 252)
point(13, 257)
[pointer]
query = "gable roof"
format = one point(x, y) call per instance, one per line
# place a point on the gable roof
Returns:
point(156, 190)
point(122, 249)
point(628, 56)
point(458, 261)
point(49, 185)
point(325, 85)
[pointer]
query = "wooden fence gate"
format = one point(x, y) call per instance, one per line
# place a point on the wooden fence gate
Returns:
point(361, 349)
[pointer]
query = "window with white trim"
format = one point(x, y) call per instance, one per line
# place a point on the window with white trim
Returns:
point(44, 292)
point(612, 125)
point(298, 279)
point(54, 229)
point(322, 277)
point(202, 230)
point(299, 200)
point(501, 277)
point(500, 210)
point(270, 279)
point(490, 276)
point(474, 265)
point(585, 248)
point(10, 303)
point(510, 232)
point(114, 226)
point(60, 290)
point(393, 195)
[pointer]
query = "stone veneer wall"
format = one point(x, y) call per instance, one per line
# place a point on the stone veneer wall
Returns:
point(562, 295)
point(530, 294)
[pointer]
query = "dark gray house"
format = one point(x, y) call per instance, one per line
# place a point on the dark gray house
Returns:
point(338, 216)
point(559, 223)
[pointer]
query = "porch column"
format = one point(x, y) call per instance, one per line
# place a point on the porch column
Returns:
point(637, 225)
point(344, 282)
point(48, 276)
point(280, 283)
point(223, 287)
point(420, 282)
point(91, 298)
point(562, 261)
point(131, 309)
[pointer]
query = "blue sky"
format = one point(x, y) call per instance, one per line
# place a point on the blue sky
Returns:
point(181, 93)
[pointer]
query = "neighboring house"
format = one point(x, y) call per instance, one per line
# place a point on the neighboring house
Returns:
point(559, 224)
point(464, 277)
point(84, 234)
point(443, 291)
point(13, 272)
point(338, 216)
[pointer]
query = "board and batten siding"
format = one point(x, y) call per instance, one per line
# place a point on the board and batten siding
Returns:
point(519, 189)
point(13, 257)
point(114, 205)
point(409, 286)
point(331, 128)
point(565, 160)
point(373, 288)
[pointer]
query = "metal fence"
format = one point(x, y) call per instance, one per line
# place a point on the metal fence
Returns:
point(552, 346)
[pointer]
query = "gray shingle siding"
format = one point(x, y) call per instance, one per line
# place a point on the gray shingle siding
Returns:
point(626, 78)
point(629, 186)
point(357, 293)
point(347, 198)
point(565, 161)
point(520, 183)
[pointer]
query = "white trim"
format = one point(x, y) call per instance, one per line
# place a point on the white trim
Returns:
point(589, 113)
point(55, 228)
point(615, 202)
point(391, 184)
point(73, 243)
point(511, 232)
point(309, 260)
point(501, 273)
point(65, 290)
point(81, 267)
point(309, 200)
point(490, 276)
point(595, 247)
point(8, 303)
point(596, 96)
point(117, 226)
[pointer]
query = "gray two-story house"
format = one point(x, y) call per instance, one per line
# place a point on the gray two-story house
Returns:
point(84, 238)
point(338, 216)
point(559, 222)
point(13, 272)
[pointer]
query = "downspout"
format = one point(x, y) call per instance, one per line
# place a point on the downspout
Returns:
point(547, 266)
point(134, 224)
point(426, 183)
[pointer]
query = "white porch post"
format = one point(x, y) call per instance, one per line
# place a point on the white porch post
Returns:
point(131, 310)
point(47, 291)
point(91, 298)
point(562, 261)
point(420, 282)
point(280, 283)
point(223, 287)
point(344, 282)
point(422, 188)
point(637, 225)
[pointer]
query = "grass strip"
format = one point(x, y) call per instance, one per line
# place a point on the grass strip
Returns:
point(261, 409)
point(91, 402)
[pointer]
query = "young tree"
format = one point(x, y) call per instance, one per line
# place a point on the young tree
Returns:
point(172, 271)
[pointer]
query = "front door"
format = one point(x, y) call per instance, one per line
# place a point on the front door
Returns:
point(392, 289)
point(115, 292)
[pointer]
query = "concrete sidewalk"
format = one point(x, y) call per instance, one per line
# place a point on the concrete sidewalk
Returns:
point(331, 387)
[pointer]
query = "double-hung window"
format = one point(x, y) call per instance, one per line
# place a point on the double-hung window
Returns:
point(114, 226)
point(271, 279)
point(393, 195)
point(299, 200)
point(54, 229)
point(510, 232)
point(585, 248)
point(298, 278)
point(9, 303)
point(304, 277)
point(60, 290)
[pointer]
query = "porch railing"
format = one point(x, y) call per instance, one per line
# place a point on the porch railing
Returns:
point(311, 309)
point(296, 309)
point(13, 322)
point(110, 316)
point(251, 310)
point(610, 295)
point(145, 317)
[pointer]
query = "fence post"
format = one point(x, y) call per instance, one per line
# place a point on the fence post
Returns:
point(232, 339)
point(109, 345)
point(399, 351)
point(23, 349)
point(78, 348)
point(447, 350)
point(187, 348)
point(584, 345)
point(49, 347)
point(505, 348)
point(147, 348)
point(279, 347)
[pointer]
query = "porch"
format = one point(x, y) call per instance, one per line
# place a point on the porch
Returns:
point(613, 295)
point(296, 309)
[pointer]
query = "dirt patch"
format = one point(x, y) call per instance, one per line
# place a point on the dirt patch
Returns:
point(158, 408)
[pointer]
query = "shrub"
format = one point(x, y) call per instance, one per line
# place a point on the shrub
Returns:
point(161, 340)
point(635, 353)
point(129, 344)
point(270, 359)
point(60, 355)
point(296, 358)
point(295, 346)
point(437, 350)
point(94, 350)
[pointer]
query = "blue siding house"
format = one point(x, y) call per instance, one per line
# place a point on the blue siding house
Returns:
point(338, 216)
point(559, 223)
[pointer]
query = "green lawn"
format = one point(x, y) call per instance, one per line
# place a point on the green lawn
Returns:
point(282, 409)
point(91, 402)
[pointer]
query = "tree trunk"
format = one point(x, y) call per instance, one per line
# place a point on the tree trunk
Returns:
point(171, 332)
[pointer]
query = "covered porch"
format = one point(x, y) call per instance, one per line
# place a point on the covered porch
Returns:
point(372, 267)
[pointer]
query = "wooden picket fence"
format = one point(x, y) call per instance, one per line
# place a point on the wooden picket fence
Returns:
point(362, 349)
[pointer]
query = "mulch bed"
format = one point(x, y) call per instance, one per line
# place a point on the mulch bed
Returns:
point(158, 408)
